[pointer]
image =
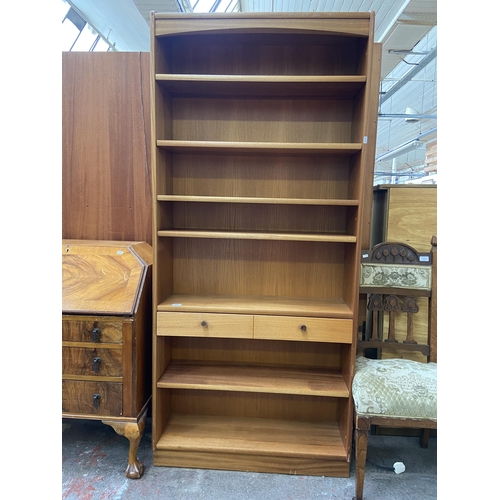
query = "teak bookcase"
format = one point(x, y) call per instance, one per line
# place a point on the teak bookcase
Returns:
point(260, 150)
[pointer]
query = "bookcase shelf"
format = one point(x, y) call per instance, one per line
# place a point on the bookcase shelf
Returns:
point(286, 306)
point(251, 86)
point(261, 144)
point(247, 378)
point(306, 447)
point(240, 235)
point(252, 147)
point(253, 200)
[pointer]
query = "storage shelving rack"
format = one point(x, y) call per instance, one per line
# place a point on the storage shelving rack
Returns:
point(261, 148)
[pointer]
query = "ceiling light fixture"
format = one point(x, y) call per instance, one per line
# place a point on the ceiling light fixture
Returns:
point(411, 119)
point(401, 150)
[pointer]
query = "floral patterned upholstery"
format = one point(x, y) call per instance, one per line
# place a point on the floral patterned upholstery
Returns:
point(399, 388)
point(404, 276)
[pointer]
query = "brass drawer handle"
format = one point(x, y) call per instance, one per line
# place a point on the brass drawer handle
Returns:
point(303, 328)
point(204, 324)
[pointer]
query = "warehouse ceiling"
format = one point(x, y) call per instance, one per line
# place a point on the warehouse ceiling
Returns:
point(407, 30)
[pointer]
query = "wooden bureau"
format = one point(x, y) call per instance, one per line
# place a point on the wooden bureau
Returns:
point(106, 336)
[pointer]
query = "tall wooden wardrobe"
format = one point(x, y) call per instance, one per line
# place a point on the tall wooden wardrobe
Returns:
point(263, 130)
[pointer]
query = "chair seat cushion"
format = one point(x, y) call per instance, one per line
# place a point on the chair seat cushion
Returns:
point(399, 388)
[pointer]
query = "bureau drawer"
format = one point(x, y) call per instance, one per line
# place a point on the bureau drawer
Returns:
point(91, 330)
point(303, 329)
point(92, 398)
point(92, 361)
point(205, 325)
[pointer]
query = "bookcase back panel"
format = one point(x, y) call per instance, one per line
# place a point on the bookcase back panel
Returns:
point(255, 267)
point(256, 405)
point(260, 176)
point(260, 217)
point(258, 352)
point(263, 54)
point(262, 120)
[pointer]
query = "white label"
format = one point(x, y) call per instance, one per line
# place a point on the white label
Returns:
point(365, 139)
point(120, 252)
point(424, 258)
point(365, 255)
point(176, 305)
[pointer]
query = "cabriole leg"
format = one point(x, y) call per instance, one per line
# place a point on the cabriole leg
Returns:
point(133, 432)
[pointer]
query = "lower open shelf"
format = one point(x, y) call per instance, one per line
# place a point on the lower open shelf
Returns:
point(252, 444)
point(227, 377)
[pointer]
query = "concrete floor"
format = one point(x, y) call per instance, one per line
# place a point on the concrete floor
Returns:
point(94, 458)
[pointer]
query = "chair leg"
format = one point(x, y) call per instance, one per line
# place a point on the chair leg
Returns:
point(424, 438)
point(362, 426)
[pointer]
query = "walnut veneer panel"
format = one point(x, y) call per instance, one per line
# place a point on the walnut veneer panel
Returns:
point(78, 395)
point(78, 361)
point(104, 282)
point(106, 147)
point(89, 329)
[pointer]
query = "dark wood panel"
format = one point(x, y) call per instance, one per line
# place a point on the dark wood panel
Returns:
point(106, 136)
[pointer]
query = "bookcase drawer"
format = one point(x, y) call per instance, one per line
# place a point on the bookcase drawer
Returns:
point(303, 329)
point(205, 325)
